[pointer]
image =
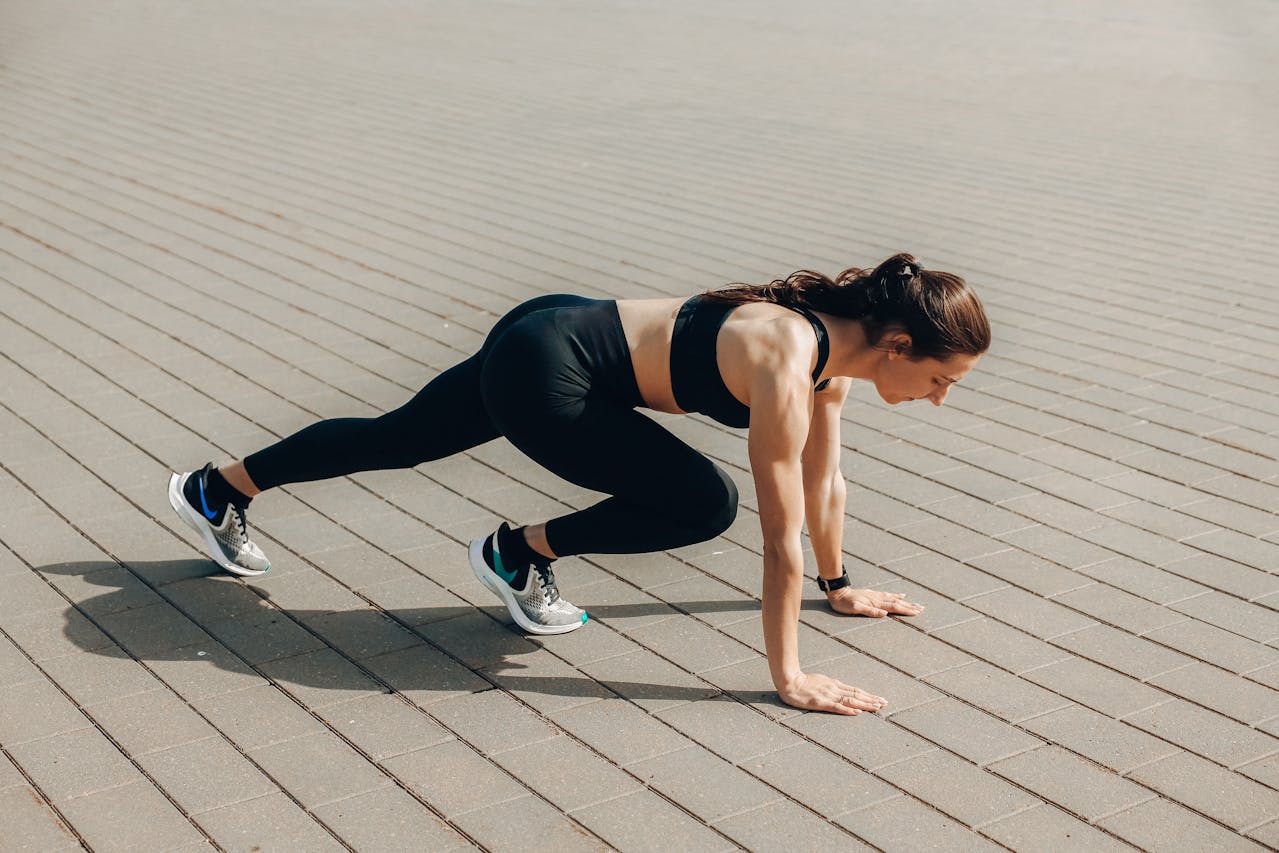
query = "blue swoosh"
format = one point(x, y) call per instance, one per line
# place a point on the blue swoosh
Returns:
point(209, 514)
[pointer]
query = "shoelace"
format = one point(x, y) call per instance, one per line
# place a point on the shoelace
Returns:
point(241, 523)
point(548, 583)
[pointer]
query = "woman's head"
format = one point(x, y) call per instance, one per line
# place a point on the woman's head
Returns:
point(919, 313)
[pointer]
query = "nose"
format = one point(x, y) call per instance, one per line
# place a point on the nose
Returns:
point(939, 396)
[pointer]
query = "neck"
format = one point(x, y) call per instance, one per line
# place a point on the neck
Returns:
point(850, 353)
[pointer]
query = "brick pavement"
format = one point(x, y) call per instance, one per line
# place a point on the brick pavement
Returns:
point(221, 221)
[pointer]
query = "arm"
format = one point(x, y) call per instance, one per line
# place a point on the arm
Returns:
point(824, 488)
point(781, 414)
point(824, 494)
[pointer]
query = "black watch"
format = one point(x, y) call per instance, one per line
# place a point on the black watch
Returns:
point(838, 583)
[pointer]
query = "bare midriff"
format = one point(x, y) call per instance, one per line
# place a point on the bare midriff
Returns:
point(648, 325)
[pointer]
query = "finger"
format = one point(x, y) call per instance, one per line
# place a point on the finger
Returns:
point(863, 704)
point(869, 697)
point(841, 707)
point(864, 609)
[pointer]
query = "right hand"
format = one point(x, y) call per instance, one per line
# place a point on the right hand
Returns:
point(813, 692)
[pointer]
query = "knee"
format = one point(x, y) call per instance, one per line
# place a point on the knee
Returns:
point(717, 505)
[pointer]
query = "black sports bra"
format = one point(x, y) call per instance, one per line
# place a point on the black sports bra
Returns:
point(695, 376)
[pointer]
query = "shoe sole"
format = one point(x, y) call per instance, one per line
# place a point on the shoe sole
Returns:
point(499, 588)
point(200, 526)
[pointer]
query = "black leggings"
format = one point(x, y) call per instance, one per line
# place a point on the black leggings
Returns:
point(555, 378)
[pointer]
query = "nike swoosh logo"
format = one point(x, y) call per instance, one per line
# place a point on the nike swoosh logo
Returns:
point(208, 513)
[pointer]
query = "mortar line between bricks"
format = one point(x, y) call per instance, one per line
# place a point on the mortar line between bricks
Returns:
point(652, 652)
point(97, 726)
point(1118, 200)
point(348, 305)
point(26, 777)
point(377, 679)
point(488, 89)
point(425, 711)
point(1252, 452)
point(256, 669)
point(1066, 697)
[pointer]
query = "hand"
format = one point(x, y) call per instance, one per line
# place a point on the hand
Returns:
point(822, 693)
point(868, 602)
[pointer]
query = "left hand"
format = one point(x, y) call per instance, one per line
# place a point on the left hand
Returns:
point(868, 602)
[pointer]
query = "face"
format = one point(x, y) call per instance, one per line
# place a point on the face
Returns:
point(901, 379)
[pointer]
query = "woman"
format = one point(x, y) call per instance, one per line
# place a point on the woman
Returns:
point(561, 376)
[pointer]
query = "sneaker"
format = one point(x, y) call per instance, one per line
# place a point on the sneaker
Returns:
point(224, 530)
point(537, 608)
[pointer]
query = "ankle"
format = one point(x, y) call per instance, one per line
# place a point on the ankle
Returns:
point(220, 491)
point(516, 551)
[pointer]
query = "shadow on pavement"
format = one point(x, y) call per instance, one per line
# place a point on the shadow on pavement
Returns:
point(314, 648)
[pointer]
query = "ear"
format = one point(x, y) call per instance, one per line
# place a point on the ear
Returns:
point(897, 344)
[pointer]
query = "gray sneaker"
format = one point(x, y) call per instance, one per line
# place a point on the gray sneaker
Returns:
point(537, 608)
point(226, 541)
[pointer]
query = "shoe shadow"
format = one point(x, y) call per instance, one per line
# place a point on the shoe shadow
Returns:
point(199, 609)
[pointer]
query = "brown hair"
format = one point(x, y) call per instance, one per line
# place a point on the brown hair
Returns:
point(940, 312)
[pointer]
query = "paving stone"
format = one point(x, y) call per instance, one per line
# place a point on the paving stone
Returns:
point(149, 722)
point(1161, 825)
point(644, 821)
point(1216, 646)
point(703, 783)
point(153, 631)
point(128, 818)
point(273, 822)
point(1071, 782)
point(966, 731)
point(1159, 585)
point(1045, 829)
point(492, 721)
point(320, 678)
point(567, 774)
point(1108, 742)
point(1001, 645)
point(1240, 617)
point(729, 729)
point(204, 669)
point(292, 764)
point(58, 714)
point(1265, 771)
point(454, 779)
point(1029, 572)
point(946, 575)
point(905, 823)
point(384, 726)
point(783, 825)
point(1210, 789)
point(389, 819)
point(956, 787)
point(691, 645)
point(362, 633)
point(1034, 615)
point(1221, 691)
point(73, 764)
point(1139, 657)
point(819, 779)
point(43, 637)
point(1112, 693)
point(546, 683)
point(909, 650)
point(649, 681)
point(206, 774)
point(30, 824)
point(619, 730)
point(1119, 608)
point(267, 636)
point(1007, 696)
point(240, 715)
point(1203, 732)
point(540, 828)
point(424, 675)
